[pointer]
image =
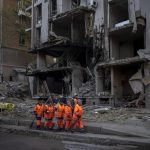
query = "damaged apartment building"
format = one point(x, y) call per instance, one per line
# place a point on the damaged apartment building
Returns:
point(77, 41)
point(62, 38)
point(128, 31)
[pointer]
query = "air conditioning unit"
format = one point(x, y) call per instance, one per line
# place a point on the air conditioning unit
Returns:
point(93, 3)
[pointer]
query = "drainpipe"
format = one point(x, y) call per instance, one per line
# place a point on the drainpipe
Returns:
point(1, 31)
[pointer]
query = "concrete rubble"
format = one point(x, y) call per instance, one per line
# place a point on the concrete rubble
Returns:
point(87, 89)
point(118, 115)
point(55, 40)
point(22, 109)
point(14, 89)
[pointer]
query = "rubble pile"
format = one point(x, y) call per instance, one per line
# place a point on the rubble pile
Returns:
point(55, 39)
point(110, 114)
point(22, 109)
point(87, 89)
point(119, 115)
point(14, 89)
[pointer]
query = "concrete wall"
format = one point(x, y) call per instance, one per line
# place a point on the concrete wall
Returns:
point(99, 14)
point(116, 78)
point(41, 61)
point(121, 49)
point(120, 80)
point(99, 79)
point(59, 6)
point(45, 24)
point(66, 5)
point(77, 80)
point(146, 12)
point(14, 58)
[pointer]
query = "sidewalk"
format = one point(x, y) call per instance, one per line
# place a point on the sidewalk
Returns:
point(95, 128)
point(119, 129)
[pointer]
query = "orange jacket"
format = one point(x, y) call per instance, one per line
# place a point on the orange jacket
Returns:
point(60, 111)
point(49, 112)
point(68, 112)
point(78, 111)
point(38, 109)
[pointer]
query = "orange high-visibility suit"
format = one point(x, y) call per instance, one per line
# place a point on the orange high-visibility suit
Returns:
point(38, 110)
point(59, 114)
point(77, 117)
point(68, 116)
point(48, 115)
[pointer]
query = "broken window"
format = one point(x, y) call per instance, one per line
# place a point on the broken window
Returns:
point(119, 14)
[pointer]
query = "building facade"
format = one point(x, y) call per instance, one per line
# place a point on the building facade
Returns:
point(64, 31)
point(77, 40)
point(14, 41)
point(128, 28)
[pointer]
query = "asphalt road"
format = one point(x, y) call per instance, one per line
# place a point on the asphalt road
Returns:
point(10, 141)
point(23, 142)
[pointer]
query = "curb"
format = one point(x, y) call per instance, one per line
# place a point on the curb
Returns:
point(90, 129)
point(75, 137)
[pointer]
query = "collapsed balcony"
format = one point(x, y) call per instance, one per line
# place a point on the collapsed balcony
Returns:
point(59, 79)
point(128, 78)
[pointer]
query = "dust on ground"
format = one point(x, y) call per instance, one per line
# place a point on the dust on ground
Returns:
point(132, 116)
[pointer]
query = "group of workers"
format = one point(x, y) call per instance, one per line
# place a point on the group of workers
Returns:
point(64, 116)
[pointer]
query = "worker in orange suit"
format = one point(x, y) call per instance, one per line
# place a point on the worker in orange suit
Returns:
point(77, 117)
point(48, 115)
point(60, 114)
point(67, 116)
point(38, 111)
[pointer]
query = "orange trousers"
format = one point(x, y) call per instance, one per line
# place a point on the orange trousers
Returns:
point(48, 123)
point(78, 123)
point(68, 124)
point(38, 121)
point(60, 123)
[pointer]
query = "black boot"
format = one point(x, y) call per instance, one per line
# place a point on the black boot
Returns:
point(82, 130)
point(38, 127)
point(72, 130)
